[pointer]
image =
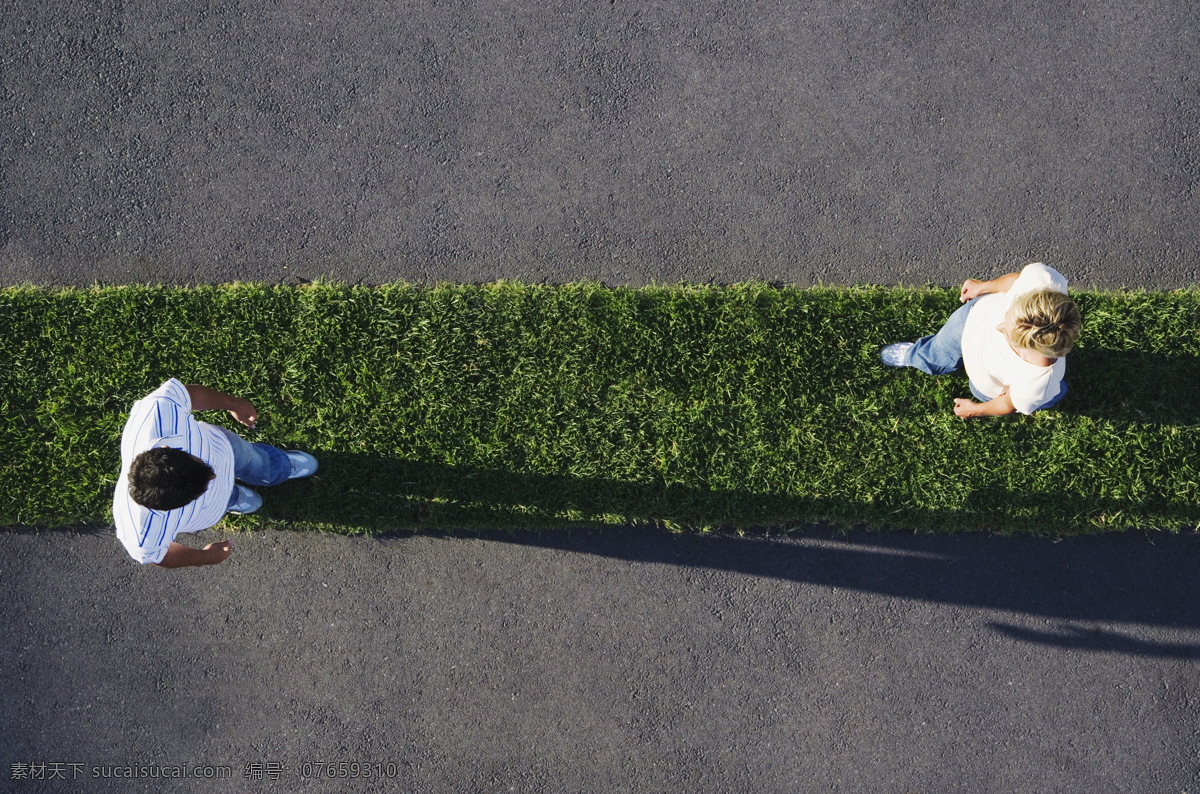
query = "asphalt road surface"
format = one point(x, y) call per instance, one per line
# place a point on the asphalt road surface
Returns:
point(628, 142)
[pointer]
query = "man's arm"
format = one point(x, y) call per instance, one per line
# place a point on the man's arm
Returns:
point(972, 288)
point(181, 556)
point(1001, 406)
point(206, 399)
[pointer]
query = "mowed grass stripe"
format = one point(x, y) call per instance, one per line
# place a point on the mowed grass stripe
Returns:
point(510, 405)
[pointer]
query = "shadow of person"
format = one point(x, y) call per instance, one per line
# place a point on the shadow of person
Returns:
point(1124, 578)
point(380, 493)
point(1119, 578)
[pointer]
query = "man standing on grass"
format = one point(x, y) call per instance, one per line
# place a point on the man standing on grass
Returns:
point(177, 474)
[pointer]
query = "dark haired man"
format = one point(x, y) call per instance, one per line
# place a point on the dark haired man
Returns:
point(177, 474)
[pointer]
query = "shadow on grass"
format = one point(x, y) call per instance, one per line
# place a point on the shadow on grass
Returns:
point(377, 493)
point(1128, 578)
point(1133, 385)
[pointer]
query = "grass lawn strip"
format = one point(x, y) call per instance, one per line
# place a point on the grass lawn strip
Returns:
point(510, 405)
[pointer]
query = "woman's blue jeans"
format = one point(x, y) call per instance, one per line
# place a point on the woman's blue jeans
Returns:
point(941, 353)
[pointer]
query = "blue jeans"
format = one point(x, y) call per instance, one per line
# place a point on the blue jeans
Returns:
point(941, 353)
point(256, 464)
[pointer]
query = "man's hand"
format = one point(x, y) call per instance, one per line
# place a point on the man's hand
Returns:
point(244, 412)
point(181, 556)
point(218, 552)
point(206, 399)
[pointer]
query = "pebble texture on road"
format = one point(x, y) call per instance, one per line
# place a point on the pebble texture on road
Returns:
point(628, 142)
point(631, 661)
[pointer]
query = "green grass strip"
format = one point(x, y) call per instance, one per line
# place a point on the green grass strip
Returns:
point(509, 405)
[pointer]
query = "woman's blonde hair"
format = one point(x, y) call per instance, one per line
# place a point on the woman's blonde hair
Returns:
point(1046, 321)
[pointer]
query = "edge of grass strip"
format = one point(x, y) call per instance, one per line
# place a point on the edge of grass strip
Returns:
point(695, 407)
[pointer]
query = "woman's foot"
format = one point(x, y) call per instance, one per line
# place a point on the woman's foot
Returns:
point(896, 355)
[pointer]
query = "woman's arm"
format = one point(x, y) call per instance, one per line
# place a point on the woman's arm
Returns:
point(1001, 406)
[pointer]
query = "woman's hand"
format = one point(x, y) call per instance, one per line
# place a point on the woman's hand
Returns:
point(969, 409)
point(965, 409)
point(971, 289)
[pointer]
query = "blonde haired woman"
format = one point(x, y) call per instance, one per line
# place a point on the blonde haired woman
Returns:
point(1011, 337)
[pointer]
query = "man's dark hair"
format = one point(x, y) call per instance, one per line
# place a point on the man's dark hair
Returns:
point(164, 479)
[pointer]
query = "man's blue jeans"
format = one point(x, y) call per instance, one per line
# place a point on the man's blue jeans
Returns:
point(256, 464)
point(941, 353)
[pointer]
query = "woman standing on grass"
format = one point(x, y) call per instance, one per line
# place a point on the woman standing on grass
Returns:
point(1011, 336)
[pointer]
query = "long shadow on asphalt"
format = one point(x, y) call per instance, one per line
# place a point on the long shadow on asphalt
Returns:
point(1128, 578)
point(1121, 578)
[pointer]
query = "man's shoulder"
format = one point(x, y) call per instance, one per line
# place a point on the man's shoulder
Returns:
point(170, 395)
point(146, 533)
point(134, 523)
point(162, 417)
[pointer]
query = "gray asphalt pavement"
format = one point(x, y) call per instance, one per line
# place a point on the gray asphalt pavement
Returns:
point(619, 661)
point(623, 141)
point(629, 142)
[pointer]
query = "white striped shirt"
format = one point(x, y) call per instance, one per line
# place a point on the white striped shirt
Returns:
point(164, 419)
